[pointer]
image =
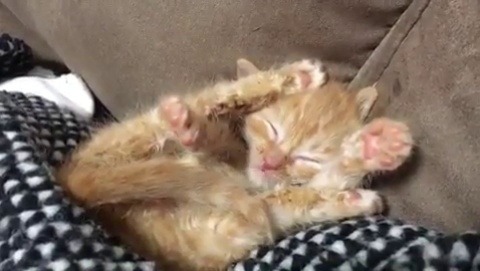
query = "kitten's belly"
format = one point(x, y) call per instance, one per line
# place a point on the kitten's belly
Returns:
point(172, 235)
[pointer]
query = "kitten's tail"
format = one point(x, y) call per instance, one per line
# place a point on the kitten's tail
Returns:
point(148, 180)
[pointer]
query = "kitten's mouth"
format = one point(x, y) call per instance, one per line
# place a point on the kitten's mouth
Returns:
point(267, 171)
point(267, 174)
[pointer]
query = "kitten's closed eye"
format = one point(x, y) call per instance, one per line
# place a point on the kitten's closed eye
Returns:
point(307, 160)
point(272, 131)
point(298, 182)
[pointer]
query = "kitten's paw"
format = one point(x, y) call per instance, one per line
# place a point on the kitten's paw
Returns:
point(242, 231)
point(179, 117)
point(386, 144)
point(309, 73)
point(362, 202)
point(247, 221)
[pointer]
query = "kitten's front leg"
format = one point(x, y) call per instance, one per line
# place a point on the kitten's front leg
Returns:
point(309, 74)
point(295, 206)
point(381, 145)
point(252, 93)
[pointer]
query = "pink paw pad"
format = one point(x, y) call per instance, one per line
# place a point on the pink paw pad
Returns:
point(367, 200)
point(310, 73)
point(178, 116)
point(353, 197)
point(386, 144)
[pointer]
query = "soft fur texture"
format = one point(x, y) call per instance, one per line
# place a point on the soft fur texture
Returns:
point(171, 182)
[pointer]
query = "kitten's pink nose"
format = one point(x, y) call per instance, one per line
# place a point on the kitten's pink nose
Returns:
point(273, 162)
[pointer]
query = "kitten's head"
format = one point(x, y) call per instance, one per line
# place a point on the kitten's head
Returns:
point(300, 135)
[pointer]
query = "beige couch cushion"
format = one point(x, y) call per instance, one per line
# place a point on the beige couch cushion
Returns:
point(11, 25)
point(131, 51)
point(433, 83)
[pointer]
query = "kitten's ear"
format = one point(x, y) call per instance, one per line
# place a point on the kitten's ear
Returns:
point(366, 98)
point(245, 68)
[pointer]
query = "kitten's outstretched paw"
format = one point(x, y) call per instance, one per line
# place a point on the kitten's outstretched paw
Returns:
point(365, 202)
point(386, 144)
point(178, 115)
point(309, 73)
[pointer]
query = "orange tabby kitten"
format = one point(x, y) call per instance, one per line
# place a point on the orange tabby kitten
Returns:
point(164, 182)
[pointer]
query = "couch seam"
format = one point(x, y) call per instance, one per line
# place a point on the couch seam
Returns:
point(31, 31)
point(382, 56)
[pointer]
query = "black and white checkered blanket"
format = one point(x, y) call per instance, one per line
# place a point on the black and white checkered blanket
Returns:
point(41, 230)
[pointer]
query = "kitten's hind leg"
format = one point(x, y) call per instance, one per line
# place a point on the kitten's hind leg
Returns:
point(181, 121)
point(295, 206)
point(205, 238)
point(196, 132)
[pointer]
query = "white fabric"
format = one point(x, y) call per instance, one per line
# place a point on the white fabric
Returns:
point(68, 91)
